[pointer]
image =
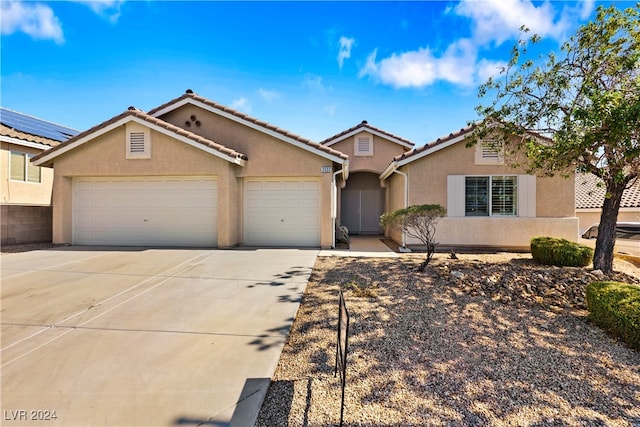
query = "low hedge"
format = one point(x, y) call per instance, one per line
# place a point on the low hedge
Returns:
point(615, 307)
point(560, 252)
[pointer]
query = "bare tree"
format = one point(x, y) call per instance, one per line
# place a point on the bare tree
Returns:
point(419, 222)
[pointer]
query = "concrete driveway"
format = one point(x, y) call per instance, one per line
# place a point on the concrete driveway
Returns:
point(144, 337)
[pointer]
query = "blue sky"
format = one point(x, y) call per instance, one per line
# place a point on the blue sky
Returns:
point(314, 68)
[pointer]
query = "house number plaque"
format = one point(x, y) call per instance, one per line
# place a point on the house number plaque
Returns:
point(325, 169)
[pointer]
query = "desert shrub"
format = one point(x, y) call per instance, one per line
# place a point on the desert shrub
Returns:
point(615, 307)
point(560, 252)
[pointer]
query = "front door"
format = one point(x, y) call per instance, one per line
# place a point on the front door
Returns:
point(361, 210)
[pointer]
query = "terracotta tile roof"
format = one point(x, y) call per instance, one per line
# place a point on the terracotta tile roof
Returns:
point(453, 135)
point(133, 112)
point(365, 125)
point(12, 133)
point(435, 143)
point(267, 126)
point(590, 195)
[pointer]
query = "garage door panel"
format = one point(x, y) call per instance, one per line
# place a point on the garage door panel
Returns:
point(282, 213)
point(143, 212)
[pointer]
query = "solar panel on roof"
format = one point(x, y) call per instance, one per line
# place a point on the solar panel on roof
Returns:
point(35, 126)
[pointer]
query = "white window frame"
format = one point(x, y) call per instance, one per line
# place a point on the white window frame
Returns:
point(525, 196)
point(134, 132)
point(358, 140)
point(27, 166)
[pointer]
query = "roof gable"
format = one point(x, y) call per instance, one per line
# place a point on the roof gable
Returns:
point(365, 127)
point(425, 150)
point(134, 115)
point(191, 98)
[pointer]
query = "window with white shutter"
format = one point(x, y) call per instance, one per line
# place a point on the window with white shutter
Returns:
point(363, 145)
point(492, 195)
point(138, 142)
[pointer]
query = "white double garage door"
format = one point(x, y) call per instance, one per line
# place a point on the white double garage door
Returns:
point(183, 211)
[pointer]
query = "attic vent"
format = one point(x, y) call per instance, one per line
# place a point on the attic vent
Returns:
point(364, 145)
point(136, 142)
point(490, 152)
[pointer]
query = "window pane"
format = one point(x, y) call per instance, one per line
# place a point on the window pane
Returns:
point(32, 171)
point(17, 166)
point(476, 196)
point(503, 195)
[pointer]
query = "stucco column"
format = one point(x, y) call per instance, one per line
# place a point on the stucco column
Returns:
point(326, 223)
point(62, 203)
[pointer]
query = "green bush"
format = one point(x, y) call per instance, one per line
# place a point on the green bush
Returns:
point(560, 252)
point(615, 307)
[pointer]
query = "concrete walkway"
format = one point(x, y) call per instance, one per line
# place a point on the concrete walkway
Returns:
point(363, 246)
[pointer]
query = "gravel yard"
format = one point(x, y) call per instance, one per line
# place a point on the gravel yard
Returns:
point(481, 340)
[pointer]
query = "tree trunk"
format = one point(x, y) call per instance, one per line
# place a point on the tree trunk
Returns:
point(603, 255)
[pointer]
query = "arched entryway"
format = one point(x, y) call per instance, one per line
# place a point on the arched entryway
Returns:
point(362, 203)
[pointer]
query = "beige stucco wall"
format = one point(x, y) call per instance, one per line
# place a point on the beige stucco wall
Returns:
point(555, 202)
point(268, 158)
point(383, 152)
point(105, 157)
point(23, 193)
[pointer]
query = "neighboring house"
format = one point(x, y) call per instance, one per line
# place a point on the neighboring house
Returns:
point(25, 192)
point(192, 172)
point(590, 193)
point(489, 203)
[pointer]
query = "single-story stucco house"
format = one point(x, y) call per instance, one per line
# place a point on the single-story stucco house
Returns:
point(192, 172)
point(25, 192)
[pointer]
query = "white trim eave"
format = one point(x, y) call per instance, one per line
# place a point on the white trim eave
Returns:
point(249, 124)
point(432, 150)
point(388, 170)
point(371, 131)
point(24, 143)
point(127, 119)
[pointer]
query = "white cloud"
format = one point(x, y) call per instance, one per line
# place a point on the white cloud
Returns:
point(34, 19)
point(345, 45)
point(110, 9)
point(500, 20)
point(314, 83)
point(488, 68)
point(330, 109)
point(586, 8)
point(241, 104)
point(269, 95)
point(493, 22)
point(422, 68)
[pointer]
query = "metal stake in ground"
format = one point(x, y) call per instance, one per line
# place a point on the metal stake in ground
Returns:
point(341, 349)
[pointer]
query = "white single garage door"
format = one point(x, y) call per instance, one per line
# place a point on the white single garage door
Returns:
point(282, 213)
point(145, 211)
